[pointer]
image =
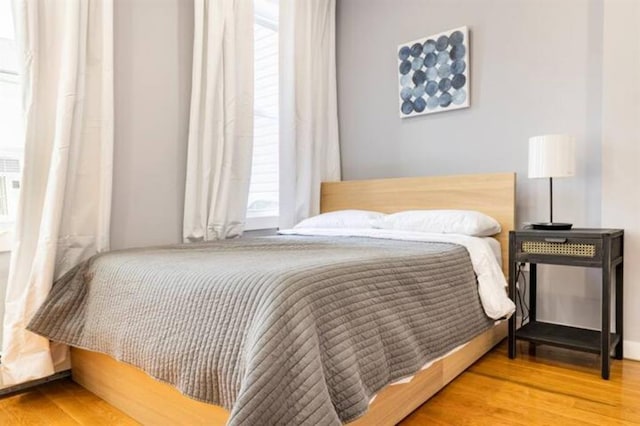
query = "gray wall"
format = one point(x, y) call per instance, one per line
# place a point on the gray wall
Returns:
point(621, 151)
point(536, 68)
point(153, 50)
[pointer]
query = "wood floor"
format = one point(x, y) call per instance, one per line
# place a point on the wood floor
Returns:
point(556, 387)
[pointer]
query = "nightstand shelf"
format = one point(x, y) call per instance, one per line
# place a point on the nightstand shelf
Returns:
point(564, 336)
point(591, 248)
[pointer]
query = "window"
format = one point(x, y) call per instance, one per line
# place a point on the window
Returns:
point(11, 150)
point(262, 209)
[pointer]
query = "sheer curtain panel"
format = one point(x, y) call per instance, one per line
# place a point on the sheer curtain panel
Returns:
point(221, 121)
point(309, 143)
point(66, 63)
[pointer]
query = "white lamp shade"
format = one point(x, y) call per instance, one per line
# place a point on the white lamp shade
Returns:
point(552, 156)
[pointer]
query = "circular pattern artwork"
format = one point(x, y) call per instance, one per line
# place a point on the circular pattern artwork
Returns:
point(433, 73)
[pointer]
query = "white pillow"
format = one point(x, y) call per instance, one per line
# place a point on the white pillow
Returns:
point(342, 219)
point(466, 222)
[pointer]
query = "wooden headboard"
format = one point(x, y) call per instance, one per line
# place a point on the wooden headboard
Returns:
point(492, 194)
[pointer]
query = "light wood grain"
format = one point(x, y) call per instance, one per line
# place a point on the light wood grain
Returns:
point(60, 403)
point(396, 402)
point(492, 194)
point(554, 387)
point(152, 402)
point(139, 395)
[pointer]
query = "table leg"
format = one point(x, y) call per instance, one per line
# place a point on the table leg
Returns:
point(605, 337)
point(533, 299)
point(619, 309)
point(512, 320)
point(512, 295)
point(533, 291)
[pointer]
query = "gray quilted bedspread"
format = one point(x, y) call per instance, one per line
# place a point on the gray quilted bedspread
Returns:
point(284, 330)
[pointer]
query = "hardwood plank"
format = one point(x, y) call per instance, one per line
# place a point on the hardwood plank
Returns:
point(553, 387)
point(59, 403)
point(537, 405)
point(33, 408)
point(556, 386)
point(84, 407)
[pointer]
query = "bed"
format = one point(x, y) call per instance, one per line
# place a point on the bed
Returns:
point(153, 402)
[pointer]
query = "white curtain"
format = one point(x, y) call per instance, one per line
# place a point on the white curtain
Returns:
point(66, 59)
point(309, 142)
point(221, 120)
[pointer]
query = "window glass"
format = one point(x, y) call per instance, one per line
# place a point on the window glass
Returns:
point(11, 149)
point(264, 188)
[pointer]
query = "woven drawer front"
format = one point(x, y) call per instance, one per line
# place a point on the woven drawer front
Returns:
point(563, 249)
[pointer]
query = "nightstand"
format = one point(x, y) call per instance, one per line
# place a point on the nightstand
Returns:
point(593, 248)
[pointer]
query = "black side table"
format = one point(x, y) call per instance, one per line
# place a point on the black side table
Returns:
point(597, 248)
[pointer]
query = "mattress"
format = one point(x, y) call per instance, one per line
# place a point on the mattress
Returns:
point(279, 330)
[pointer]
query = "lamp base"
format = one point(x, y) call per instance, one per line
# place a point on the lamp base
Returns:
point(552, 226)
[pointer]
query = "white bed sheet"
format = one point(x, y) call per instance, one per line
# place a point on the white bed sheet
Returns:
point(495, 248)
point(491, 280)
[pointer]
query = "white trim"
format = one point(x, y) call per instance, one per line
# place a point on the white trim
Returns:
point(631, 350)
point(265, 222)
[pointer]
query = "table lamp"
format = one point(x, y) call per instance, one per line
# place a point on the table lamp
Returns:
point(551, 156)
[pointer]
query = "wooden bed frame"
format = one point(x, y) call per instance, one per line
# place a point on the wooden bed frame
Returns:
point(155, 403)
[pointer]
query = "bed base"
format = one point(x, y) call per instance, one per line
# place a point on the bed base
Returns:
point(154, 403)
point(151, 402)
